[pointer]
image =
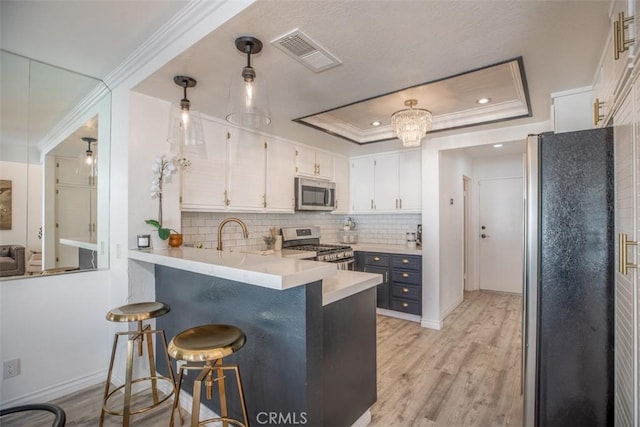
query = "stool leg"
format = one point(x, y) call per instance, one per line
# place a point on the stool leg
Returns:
point(146, 333)
point(109, 373)
point(222, 392)
point(197, 388)
point(176, 389)
point(241, 394)
point(176, 401)
point(127, 388)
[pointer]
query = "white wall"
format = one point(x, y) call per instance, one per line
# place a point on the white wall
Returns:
point(26, 206)
point(453, 166)
point(432, 234)
point(70, 309)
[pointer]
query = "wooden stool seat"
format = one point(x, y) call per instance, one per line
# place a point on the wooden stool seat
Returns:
point(209, 344)
point(137, 312)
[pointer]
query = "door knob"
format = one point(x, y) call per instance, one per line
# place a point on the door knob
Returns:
point(484, 236)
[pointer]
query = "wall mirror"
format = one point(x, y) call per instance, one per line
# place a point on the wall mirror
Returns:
point(54, 169)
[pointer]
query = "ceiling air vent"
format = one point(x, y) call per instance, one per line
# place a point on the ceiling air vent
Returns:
point(300, 47)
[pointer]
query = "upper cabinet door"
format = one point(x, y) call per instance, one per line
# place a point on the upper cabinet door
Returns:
point(314, 163)
point(247, 171)
point(341, 177)
point(204, 182)
point(324, 164)
point(410, 180)
point(72, 171)
point(386, 183)
point(361, 179)
point(281, 173)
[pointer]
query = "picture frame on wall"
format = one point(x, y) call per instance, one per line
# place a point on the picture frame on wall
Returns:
point(5, 204)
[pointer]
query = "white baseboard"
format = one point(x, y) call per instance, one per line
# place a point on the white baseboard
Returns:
point(431, 324)
point(398, 315)
point(450, 309)
point(364, 420)
point(59, 390)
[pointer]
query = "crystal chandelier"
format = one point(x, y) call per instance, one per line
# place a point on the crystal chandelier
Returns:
point(411, 124)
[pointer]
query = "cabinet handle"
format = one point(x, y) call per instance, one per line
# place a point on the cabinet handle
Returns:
point(405, 290)
point(623, 264)
point(396, 203)
point(400, 203)
point(619, 27)
point(376, 258)
point(264, 200)
point(405, 275)
point(597, 104)
point(405, 261)
point(371, 203)
point(405, 305)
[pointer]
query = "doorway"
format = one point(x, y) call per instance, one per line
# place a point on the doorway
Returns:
point(500, 234)
point(466, 231)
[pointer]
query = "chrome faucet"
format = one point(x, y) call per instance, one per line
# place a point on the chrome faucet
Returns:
point(223, 223)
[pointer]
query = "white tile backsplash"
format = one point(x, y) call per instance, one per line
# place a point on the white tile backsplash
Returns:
point(201, 228)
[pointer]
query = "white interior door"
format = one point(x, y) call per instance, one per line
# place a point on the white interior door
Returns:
point(500, 240)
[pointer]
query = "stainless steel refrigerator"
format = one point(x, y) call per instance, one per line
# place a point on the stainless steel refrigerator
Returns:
point(569, 280)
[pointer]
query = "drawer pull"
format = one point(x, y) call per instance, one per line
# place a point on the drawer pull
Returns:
point(405, 275)
point(405, 261)
point(376, 258)
point(405, 304)
point(405, 290)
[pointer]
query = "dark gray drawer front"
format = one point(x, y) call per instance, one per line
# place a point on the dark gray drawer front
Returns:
point(376, 259)
point(407, 292)
point(412, 277)
point(406, 306)
point(407, 261)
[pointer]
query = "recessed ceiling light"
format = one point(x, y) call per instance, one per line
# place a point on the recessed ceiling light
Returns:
point(376, 123)
point(497, 145)
point(483, 100)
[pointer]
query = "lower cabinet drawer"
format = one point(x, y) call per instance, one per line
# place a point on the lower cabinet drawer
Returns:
point(406, 306)
point(411, 277)
point(406, 292)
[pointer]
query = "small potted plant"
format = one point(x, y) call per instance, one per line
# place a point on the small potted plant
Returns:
point(163, 168)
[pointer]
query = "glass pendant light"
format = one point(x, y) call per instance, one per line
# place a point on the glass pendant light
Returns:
point(411, 124)
point(248, 101)
point(185, 126)
point(90, 162)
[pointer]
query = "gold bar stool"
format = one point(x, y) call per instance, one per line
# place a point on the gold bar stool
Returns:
point(137, 312)
point(208, 344)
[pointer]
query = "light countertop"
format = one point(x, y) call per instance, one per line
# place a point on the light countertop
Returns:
point(391, 249)
point(275, 271)
point(79, 243)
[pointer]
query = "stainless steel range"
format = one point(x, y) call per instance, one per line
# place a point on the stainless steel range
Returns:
point(308, 239)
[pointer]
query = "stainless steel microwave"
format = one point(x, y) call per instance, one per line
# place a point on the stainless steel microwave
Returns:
point(315, 195)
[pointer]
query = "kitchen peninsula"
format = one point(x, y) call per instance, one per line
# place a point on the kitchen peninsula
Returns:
point(311, 329)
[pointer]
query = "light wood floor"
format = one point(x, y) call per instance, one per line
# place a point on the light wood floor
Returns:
point(467, 374)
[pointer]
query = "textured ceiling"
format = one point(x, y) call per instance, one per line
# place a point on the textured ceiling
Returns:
point(383, 45)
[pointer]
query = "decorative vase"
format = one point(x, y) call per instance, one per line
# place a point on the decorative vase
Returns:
point(157, 243)
point(175, 240)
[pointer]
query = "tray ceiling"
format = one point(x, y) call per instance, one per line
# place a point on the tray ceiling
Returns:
point(453, 101)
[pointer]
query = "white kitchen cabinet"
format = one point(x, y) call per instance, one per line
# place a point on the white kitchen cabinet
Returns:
point(317, 164)
point(204, 183)
point(385, 183)
point(410, 180)
point(389, 183)
point(361, 178)
point(341, 178)
point(73, 171)
point(281, 172)
point(247, 171)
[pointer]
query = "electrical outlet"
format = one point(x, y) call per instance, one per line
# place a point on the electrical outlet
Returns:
point(11, 368)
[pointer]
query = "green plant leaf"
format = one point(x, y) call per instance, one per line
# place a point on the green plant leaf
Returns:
point(164, 233)
point(153, 223)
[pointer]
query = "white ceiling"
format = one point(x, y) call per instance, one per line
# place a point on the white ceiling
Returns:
point(383, 45)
